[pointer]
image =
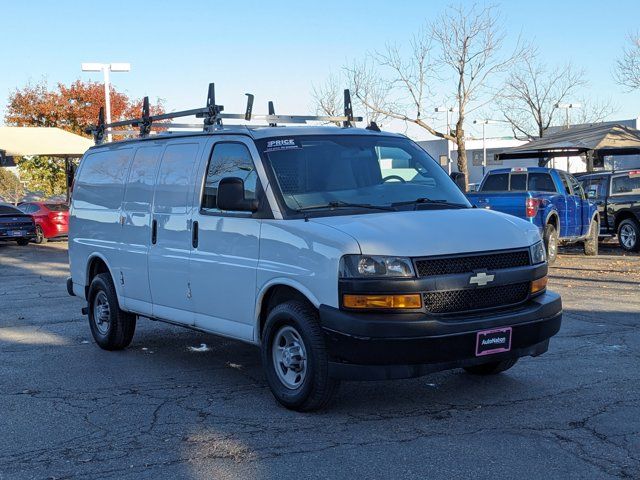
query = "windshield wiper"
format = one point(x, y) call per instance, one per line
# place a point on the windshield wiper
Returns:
point(429, 201)
point(341, 204)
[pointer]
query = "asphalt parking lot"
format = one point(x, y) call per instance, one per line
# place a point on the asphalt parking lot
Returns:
point(171, 407)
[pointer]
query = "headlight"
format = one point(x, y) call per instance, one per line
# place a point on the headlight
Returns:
point(538, 253)
point(373, 266)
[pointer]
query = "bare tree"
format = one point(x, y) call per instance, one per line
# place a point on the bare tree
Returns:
point(471, 42)
point(329, 98)
point(532, 91)
point(627, 70)
point(463, 44)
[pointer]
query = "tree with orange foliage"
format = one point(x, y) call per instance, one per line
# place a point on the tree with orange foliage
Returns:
point(72, 108)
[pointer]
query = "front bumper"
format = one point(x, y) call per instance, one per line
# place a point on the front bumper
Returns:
point(370, 346)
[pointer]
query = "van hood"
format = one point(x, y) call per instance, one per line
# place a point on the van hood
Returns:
point(434, 232)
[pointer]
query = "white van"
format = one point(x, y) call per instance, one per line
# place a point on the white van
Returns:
point(343, 253)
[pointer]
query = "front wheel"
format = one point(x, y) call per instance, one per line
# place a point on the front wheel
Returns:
point(491, 368)
point(295, 358)
point(112, 328)
point(591, 242)
point(629, 235)
point(551, 242)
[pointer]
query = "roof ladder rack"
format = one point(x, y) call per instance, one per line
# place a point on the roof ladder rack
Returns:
point(212, 116)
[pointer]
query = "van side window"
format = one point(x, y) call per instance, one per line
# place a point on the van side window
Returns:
point(228, 159)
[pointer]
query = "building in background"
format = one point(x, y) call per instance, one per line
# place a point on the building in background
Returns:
point(574, 164)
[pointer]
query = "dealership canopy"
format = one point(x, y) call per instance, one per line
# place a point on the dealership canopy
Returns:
point(51, 141)
point(593, 140)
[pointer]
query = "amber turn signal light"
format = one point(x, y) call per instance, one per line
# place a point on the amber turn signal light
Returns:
point(382, 301)
point(539, 285)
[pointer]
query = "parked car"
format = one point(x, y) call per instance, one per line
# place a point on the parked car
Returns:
point(343, 253)
point(550, 199)
point(617, 195)
point(16, 225)
point(52, 219)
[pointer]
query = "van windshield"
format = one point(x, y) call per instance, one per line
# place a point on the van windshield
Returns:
point(323, 172)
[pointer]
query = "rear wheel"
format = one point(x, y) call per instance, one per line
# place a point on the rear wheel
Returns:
point(551, 242)
point(295, 358)
point(629, 235)
point(40, 238)
point(491, 368)
point(591, 242)
point(112, 328)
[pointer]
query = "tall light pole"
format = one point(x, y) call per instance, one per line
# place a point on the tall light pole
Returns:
point(106, 69)
point(566, 107)
point(447, 110)
point(484, 144)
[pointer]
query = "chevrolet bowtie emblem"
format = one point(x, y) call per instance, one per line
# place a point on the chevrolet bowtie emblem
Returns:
point(481, 279)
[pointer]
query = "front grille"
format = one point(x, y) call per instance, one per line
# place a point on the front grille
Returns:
point(427, 267)
point(454, 301)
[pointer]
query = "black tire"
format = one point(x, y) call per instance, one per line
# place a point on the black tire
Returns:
point(316, 388)
point(551, 243)
point(40, 238)
point(591, 242)
point(121, 326)
point(491, 368)
point(629, 235)
point(22, 242)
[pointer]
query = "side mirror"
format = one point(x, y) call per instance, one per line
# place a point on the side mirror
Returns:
point(460, 180)
point(231, 196)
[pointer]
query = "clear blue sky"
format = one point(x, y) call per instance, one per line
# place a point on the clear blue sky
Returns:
point(276, 49)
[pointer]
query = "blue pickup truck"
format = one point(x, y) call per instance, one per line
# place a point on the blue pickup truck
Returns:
point(551, 199)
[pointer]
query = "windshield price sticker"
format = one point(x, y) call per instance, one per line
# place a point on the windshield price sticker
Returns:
point(282, 144)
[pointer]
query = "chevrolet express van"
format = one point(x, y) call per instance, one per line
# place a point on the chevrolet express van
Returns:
point(342, 253)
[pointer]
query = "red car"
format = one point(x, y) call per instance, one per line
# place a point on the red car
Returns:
point(52, 219)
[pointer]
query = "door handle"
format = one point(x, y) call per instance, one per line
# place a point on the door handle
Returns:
point(154, 231)
point(194, 234)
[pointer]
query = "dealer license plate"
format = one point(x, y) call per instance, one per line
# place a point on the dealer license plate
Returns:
point(493, 341)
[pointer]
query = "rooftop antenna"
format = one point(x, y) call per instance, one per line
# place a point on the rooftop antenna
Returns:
point(272, 111)
point(348, 109)
point(247, 114)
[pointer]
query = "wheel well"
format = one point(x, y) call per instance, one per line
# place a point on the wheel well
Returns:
point(276, 295)
point(553, 220)
point(623, 216)
point(96, 266)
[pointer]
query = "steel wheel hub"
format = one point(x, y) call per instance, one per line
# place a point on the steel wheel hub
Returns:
point(102, 312)
point(289, 357)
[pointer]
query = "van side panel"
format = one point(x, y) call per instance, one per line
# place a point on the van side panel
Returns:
point(169, 256)
point(136, 228)
point(94, 221)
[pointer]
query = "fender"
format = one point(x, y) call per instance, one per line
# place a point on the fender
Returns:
point(115, 282)
point(273, 282)
point(552, 212)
